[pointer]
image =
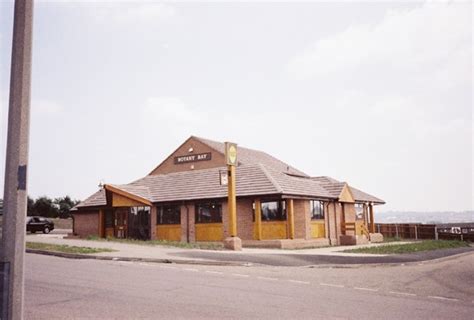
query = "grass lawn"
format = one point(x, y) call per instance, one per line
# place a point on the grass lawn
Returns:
point(65, 248)
point(425, 245)
point(195, 245)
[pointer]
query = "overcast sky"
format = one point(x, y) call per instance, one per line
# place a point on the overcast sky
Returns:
point(376, 94)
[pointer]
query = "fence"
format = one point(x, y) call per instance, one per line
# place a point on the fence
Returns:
point(420, 231)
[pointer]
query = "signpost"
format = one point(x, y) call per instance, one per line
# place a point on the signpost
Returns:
point(233, 242)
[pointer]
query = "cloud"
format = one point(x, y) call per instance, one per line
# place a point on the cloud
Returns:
point(172, 109)
point(133, 13)
point(429, 36)
point(45, 107)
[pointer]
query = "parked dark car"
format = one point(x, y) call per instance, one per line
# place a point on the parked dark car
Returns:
point(37, 224)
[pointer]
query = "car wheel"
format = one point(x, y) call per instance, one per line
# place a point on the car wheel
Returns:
point(46, 230)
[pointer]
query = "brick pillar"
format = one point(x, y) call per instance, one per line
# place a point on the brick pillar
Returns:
point(153, 220)
point(192, 222)
point(187, 219)
point(302, 219)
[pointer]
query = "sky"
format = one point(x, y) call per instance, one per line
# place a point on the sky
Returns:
point(378, 94)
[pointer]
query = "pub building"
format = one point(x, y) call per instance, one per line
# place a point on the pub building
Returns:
point(185, 199)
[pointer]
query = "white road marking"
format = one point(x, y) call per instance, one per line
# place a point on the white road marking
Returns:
point(266, 278)
point(366, 289)
point(214, 272)
point(403, 293)
point(298, 281)
point(169, 267)
point(240, 275)
point(146, 264)
point(191, 269)
point(332, 285)
point(443, 298)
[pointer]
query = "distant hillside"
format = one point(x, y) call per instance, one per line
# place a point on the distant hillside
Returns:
point(424, 217)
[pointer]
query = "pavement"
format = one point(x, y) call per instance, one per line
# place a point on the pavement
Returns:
point(326, 256)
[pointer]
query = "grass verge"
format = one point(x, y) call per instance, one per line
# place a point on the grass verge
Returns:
point(391, 239)
point(426, 245)
point(195, 245)
point(65, 248)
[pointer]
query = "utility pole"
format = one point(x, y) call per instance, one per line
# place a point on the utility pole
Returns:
point(12, 249)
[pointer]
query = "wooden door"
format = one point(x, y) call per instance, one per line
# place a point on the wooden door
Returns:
point(120, 230)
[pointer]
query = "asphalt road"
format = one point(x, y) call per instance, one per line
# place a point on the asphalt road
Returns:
point(58, 288)
point(300, 260)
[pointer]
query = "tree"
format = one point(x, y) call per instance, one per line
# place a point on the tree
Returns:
point(45, 207)
point(65, 205)
point(30, 211)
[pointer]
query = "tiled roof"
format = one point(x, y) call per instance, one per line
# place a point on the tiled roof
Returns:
point(335, 187)
point(362, 196)
point(258, 174)
point(251, 180)
point(250, 156)
point(95, 200)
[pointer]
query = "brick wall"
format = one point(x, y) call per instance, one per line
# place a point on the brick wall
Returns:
point(168, 166)
point(245, 224)
point(86, 223)
point(245, 227)
point(302, 219)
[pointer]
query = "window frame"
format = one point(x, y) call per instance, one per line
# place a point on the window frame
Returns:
point(197, 214)
point(359, 216)
point(160, 213)
point(313, 206)
point(282, 214)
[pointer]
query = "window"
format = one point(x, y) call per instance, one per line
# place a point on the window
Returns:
point(109, 219)
point(359, 211)
point(168, 215)
point(317, 210)
point(273, 211)
point(208, 212)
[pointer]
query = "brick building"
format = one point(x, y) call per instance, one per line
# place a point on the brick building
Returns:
point(182, 199)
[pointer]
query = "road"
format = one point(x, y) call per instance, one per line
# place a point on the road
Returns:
point(58, 288)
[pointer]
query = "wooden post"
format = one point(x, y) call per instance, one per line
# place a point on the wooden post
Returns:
point(372, 222)
point(232, 206)
point(258, 218)
point(233, 242)
point(326, 221)
point(291, 218)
